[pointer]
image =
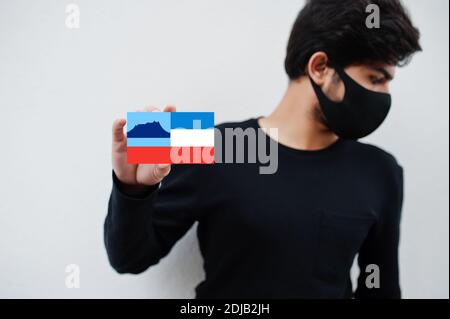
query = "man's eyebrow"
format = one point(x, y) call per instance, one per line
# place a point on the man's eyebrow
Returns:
point(386, 74)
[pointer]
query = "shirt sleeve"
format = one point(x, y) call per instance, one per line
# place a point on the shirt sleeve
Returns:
point(140, 230)
point(381, 247)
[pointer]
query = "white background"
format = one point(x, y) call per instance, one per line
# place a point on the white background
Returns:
point(60, 90)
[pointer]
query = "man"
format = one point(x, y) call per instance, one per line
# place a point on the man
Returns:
point(295, 233)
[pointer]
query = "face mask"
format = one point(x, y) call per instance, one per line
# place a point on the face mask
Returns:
point(359, 114)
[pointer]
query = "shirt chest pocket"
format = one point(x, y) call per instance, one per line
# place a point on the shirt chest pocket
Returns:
point(340, 237)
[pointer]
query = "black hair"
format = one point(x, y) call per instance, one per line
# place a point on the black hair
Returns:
point(338, 28)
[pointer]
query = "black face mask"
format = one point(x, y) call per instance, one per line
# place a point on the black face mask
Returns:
point(359, 114)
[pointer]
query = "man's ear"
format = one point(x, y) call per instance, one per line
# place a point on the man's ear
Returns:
point(318, 67)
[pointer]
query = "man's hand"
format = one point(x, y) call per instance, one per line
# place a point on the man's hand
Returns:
point(135, 174)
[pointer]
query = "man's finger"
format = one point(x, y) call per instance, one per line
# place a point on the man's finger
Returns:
point(170, 108)
point(117, 130)
point(160, 171)
point(151, 109)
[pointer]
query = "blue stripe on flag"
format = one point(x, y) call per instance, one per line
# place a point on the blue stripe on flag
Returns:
point(192, 120)
point(148, 142)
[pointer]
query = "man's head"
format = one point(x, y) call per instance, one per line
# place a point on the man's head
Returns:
point(339, 29)
point(329, 34)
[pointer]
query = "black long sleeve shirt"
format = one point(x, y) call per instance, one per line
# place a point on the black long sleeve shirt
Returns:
point(293, 234)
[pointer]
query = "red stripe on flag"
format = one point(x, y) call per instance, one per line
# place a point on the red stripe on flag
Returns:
point(149, 155)
point(171, 155)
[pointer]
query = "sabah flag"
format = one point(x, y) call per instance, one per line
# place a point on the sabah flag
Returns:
point(170, 138)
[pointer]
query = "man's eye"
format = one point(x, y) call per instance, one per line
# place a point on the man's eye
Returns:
point(377, 80)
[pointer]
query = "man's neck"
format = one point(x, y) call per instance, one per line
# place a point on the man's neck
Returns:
point(294, 117)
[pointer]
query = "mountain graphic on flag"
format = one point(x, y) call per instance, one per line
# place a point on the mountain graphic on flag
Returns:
point(170, 138)
point(148, 130)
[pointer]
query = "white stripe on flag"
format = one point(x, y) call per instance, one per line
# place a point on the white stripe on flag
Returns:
point(193, 138)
